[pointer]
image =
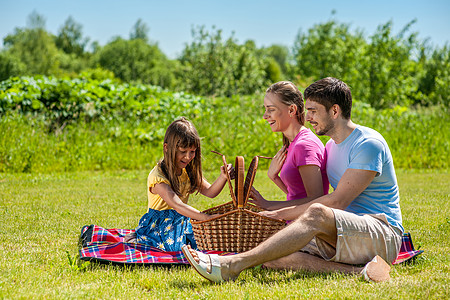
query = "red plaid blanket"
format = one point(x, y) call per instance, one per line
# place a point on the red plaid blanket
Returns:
point(407, 251)
point(106, 245)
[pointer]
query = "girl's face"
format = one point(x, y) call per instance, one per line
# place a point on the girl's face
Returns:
point(183, 156)
point(276, 113)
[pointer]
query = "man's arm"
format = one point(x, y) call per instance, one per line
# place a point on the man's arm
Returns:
point(352, 183)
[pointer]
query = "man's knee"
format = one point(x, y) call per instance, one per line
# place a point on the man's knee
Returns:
point(317, 215)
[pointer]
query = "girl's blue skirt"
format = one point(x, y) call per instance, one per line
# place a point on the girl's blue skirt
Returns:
point(165, 229)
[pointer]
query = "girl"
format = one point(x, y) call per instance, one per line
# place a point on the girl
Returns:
point(298, 168)
point(167, 225)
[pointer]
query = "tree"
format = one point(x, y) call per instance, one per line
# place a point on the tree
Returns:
point(70, 38)
point(434, 83)
point(391, 72)
point(36, 21)
point(280, 54)
point(139, 31)
point(214, 66)
point(135, 60)
point(329, 49)
point(10, 65)
point(35, 48)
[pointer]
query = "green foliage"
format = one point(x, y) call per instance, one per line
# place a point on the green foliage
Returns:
point(386, 71)
point(281, 55)
point(139, 31)
point(329, 49)
point(390, 74)
point(211, 65)
point(51, 124)
point(10, 65)
point(70, 38)
point(136, 61)
point(434, 83)
point(34, 48)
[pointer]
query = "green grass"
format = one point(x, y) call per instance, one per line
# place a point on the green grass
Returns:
point(42, 214)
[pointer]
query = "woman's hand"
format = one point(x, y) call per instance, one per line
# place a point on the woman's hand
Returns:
point(257, 199)
point(276, 163)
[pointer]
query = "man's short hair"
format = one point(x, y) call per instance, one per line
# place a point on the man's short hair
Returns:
point(329, 91)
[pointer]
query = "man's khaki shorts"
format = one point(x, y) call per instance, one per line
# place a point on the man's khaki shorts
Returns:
point(359, 239)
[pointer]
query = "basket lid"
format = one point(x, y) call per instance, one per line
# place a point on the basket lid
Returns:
point(242, 188)
point(251, 173)
point(239, 181)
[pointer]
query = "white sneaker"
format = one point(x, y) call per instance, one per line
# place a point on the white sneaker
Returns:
point(376, 270)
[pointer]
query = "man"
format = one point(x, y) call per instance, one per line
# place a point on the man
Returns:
point(356, 228)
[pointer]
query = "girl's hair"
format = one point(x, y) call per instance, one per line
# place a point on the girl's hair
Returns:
point(182, 133)
point(289, 94)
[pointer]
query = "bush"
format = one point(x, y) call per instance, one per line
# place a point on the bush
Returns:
point(109, 125)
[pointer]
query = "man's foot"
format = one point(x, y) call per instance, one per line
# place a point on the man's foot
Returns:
point(376, 270)
point(207, 265)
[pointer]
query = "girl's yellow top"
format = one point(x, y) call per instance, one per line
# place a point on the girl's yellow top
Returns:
point(157, 176)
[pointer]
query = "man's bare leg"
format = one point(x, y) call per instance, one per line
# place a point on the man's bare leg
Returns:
point(318, 220)
point(307, 262)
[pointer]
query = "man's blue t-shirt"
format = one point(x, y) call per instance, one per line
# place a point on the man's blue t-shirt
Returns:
point(366, 149)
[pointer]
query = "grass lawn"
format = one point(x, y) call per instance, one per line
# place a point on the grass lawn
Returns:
point(42, 214)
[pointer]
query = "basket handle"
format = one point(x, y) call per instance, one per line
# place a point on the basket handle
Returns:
point(233, 197)
point(239, 187)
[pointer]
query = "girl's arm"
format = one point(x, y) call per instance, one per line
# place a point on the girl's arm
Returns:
point(212, 190)
point(172, 199)
point(312, 180)
point(275, 167)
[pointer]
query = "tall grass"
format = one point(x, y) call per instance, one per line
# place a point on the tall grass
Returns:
point(418, 138)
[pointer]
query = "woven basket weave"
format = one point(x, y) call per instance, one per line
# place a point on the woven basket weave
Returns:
point(239, 228)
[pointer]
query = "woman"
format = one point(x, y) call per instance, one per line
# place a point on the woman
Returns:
point(298, 168)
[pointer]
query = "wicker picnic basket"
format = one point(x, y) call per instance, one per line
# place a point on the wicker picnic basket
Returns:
point(239, 228)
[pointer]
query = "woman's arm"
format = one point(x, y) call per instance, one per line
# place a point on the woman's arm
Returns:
point(312, 181)
point(212, 190)
point(172, 199)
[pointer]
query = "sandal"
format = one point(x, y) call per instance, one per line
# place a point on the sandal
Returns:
point(208, 266)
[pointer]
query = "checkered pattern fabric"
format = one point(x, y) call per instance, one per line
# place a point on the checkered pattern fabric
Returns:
point(407, 251)
point(106, 245)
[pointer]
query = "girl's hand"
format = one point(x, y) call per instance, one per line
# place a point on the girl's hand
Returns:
point(257, 199)
point(229, 170)
point(209, 217)
point(276, 163)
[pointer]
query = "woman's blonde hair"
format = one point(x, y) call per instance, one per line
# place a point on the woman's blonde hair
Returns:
point(182, 133)
point(289, 94)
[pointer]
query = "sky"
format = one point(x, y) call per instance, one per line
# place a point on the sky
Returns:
point(266, 22)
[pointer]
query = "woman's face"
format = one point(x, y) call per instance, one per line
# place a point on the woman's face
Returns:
point(276, 113)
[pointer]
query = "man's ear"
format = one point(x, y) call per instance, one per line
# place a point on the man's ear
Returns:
point(335, 111)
